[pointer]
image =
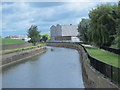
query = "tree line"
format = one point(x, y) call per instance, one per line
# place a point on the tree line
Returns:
point(35, 35)
point(103, 26)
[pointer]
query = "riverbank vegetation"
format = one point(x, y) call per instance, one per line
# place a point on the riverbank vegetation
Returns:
point(83, 28)
point(103, 26)
point(20, 49)
point(102, 29)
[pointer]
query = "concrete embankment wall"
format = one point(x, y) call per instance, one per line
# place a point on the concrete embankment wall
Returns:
point(92, 78)
point(13, 46)
point(8, 59)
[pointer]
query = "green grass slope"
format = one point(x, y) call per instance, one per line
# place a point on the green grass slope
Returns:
point(11, 41)
point(104, 56)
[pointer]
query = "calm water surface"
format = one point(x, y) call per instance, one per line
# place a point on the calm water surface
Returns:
point(57, 68)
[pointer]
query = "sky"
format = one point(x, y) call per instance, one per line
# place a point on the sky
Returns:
point(17, 17)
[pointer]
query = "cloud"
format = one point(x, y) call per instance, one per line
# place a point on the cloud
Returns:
point(45, 4)
point(19, 16)
point(61, 1)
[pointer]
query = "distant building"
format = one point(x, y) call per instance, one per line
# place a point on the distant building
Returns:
point(26, 38)
point(64, 33)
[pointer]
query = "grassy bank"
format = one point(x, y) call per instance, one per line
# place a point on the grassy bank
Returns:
point(20, 49)
point(104, 56)
point(11, 41)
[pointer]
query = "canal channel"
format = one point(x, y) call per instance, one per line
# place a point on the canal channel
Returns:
point(57, 68)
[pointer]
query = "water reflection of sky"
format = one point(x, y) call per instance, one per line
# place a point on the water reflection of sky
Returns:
point(59, 68)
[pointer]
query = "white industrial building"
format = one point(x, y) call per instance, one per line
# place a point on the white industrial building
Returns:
point(64, 33)
point(26, 38)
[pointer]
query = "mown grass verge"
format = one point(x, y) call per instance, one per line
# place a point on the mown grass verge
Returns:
point(11, 41)
point(104, 56)
point(20, 49)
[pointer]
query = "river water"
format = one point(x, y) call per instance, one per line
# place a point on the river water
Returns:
point(57, 68)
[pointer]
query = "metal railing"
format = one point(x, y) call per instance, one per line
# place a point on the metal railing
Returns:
point(109, 71)
point(116, 51)
point(112, 72)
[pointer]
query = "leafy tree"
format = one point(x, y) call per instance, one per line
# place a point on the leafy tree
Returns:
point(33, 33)
point(117, 39)
point(102, 25)
point(8, 37)
point(45, 37)
point(83, 29)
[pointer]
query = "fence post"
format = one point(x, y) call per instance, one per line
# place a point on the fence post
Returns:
point(111, 73)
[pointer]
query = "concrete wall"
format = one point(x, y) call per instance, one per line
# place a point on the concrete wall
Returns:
point(8, 59)
point(91, 77)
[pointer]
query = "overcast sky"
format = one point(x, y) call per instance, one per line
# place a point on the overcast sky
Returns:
point(17, 17)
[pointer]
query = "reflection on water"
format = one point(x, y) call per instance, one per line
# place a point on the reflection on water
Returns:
point(57, 68)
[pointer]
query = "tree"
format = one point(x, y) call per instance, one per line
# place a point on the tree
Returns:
point(117, 39)
point(83, 29)
point(102, 25)
point(45, 37)
point(8, 37)
point(33, 33)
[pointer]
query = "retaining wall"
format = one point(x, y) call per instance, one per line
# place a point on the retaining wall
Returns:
point(92, 78)
point(8, 59)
